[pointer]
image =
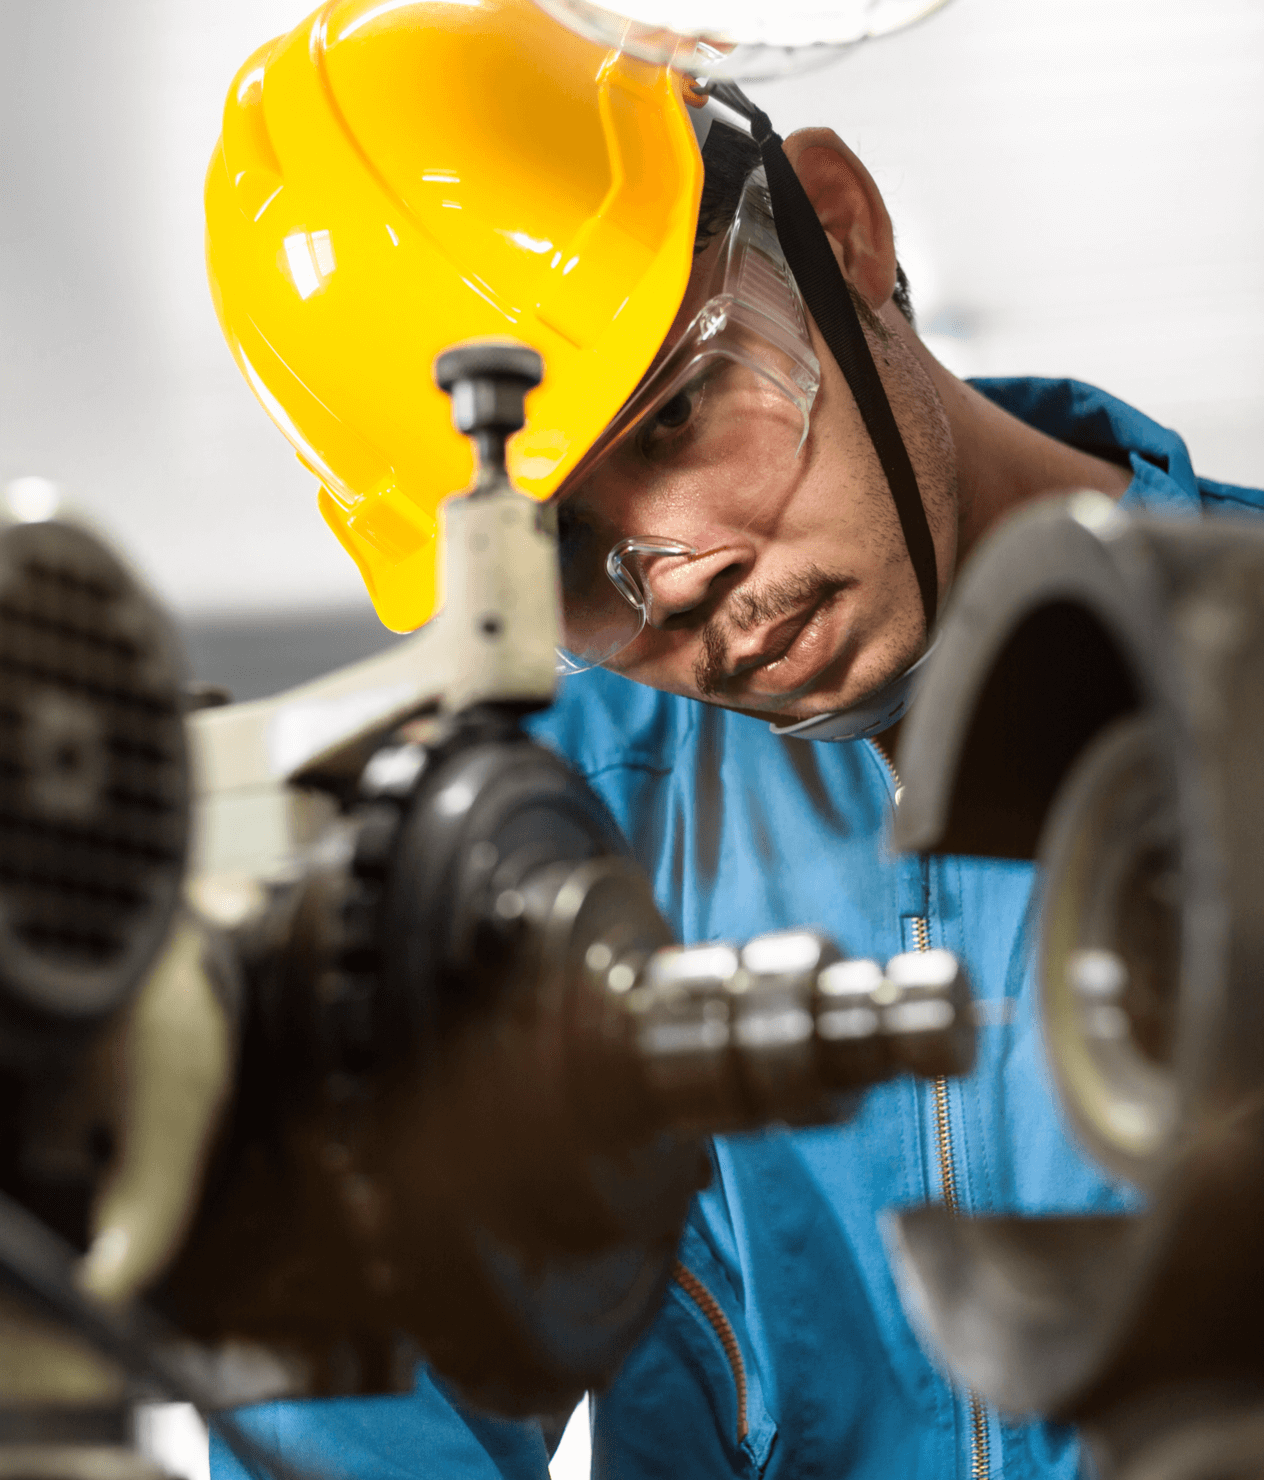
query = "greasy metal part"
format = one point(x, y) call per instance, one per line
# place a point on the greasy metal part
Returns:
point(1103, 678)
point(783, 1029)
point(409, 1152)
point(498, 1002)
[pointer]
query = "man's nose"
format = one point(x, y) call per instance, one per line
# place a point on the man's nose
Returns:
point(685, 588)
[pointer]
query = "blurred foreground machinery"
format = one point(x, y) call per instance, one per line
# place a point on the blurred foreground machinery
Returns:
point(1098, 703)
point(394, 1053)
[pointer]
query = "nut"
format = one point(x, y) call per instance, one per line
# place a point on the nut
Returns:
point(773, 1026)
point(683, 1006)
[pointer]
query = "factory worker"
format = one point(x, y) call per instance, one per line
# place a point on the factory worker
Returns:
point(764, 485)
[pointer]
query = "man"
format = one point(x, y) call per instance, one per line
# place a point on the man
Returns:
point(743, 524)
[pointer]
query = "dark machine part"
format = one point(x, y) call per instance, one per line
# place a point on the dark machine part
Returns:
point(93, 834)
point(464, 1076)
point(93, 800)
point(1098, 703)
point(488, 383)
point(93, 837)
point(477, 1077)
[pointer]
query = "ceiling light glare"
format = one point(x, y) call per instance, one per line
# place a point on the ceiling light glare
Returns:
point(744, 40)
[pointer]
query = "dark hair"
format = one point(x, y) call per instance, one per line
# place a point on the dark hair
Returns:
point(728, 156)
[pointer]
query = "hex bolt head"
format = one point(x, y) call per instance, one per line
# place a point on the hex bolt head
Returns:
point(488, 383)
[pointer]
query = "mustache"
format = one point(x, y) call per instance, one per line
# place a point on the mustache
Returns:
point(747, 608)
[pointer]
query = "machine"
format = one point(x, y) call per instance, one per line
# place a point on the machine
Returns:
point(339, 1028)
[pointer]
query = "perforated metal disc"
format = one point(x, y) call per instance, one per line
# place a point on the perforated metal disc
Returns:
point(93, 776)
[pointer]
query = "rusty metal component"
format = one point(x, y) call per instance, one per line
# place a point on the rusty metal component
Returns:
point(1098, 702)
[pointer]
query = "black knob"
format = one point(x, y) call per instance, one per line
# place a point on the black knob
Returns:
point(488, 383)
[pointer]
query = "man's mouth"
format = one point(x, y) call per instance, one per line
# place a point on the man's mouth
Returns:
point(770, 643)
point(783, 656)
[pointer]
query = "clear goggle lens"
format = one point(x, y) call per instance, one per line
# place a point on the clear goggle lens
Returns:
point(597, 626)
point(709, 442)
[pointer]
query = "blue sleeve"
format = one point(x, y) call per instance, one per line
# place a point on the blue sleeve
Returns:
point(425, 1435)
point(1227, 498)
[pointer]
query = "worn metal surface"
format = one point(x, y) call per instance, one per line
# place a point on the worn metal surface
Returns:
point(1099, 704)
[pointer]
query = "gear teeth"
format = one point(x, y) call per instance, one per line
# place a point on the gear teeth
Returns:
point(352, 1032)
point(358, 950)
point(375, 841)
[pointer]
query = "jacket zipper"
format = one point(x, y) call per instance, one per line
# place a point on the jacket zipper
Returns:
point(980, 1439)
point(706, 1303)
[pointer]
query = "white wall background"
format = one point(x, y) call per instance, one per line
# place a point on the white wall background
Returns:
point(1077, 190)
point(1076, 185)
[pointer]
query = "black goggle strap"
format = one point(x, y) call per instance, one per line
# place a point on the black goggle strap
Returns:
point(811, 259)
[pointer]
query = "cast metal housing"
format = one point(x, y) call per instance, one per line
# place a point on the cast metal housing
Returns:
point(1097, 702)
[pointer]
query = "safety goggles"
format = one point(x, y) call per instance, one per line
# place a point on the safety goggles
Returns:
point(713, 431)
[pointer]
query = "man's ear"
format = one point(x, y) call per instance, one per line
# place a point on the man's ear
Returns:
point(851, 210)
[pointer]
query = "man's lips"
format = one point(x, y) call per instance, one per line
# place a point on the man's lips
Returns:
point(769, 642)
point(788, 653)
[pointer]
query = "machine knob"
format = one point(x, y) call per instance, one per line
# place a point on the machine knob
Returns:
point(488, 384)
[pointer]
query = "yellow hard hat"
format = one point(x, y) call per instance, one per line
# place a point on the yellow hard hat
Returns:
point(395, 176)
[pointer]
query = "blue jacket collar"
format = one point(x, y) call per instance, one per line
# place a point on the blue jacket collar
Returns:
point(1163, 480)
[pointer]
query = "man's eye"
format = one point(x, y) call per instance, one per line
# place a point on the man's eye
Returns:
point(676, 412)
point(671, 416)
